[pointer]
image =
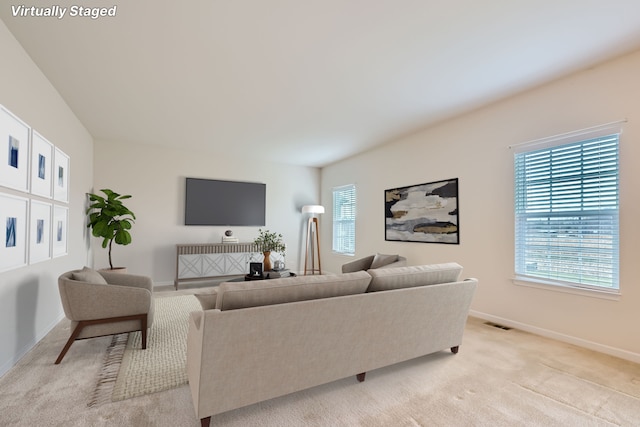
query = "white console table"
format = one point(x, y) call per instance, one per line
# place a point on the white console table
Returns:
point(203, 261)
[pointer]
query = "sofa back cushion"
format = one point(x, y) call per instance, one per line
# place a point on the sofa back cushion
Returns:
point(235, 295)
point(407, 277)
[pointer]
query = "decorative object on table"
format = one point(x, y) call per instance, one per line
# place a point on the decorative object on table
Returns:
point(268, 242)
point(426, 213)
point(110, 219)
point(255, 269)
point(312, 245)
point(228, 237)
point(278, 265)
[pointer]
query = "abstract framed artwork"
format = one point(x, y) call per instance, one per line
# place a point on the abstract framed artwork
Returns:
point(59, 225)
point(13, 217)
point(41, 165)
point(426, 213)
point(61, 176)
point(39, 231)
point(14, 151)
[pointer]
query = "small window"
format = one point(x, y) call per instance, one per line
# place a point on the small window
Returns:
point(566, 212)
point(344, 219)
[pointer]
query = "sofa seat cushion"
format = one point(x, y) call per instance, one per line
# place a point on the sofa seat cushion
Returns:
point(235, 295)
point(88, 275)
point(407, 277)
point(380, 260)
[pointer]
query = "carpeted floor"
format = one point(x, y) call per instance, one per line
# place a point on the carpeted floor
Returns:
point(499, 378)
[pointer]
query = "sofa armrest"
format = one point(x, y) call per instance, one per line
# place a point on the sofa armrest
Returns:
point(357, 265)
point(130, 280)
point(87, 301)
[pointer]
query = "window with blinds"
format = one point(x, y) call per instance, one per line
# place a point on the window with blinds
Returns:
point(344, 220)
point(566, 213)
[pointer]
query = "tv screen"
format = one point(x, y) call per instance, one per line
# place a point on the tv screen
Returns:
point(214, 202)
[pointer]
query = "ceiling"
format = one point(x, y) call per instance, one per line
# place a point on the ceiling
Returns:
point(308, 82)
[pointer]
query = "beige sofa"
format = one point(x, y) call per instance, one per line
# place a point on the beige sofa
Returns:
point(259, 340)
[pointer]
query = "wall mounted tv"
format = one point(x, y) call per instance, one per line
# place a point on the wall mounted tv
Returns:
point(214, 202)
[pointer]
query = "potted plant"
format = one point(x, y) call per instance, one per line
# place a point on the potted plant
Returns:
point(110, 219)
point(268, 242)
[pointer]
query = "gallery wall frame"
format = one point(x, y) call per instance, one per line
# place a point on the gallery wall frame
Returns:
point(13, 242)
point(60, 225)
point(14, 151)
point(425, 213)
point(60, 176)
point(39, 231)
point(41, 165)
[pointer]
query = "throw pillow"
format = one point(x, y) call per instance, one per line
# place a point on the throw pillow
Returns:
point(380, 260)
point(89, 275)
point(208, 300)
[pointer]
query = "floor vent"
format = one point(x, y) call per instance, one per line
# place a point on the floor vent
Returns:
point(496, 325)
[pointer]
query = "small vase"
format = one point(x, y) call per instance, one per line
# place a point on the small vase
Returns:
point(267, 261)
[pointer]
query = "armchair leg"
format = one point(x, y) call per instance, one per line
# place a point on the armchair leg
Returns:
point(81, 324)
point(360, 377)
point(70, 341)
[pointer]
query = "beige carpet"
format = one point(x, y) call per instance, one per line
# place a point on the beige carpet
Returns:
point(499, 378)
point(129, 371)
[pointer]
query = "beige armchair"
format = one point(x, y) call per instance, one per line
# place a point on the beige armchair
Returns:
point(374, 261)
point(105, 303)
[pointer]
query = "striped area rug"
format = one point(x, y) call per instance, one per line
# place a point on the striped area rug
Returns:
point(128, 371)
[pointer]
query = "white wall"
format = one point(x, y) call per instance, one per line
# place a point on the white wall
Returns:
point(155, 178)
point(29, 299)
point(474, 148)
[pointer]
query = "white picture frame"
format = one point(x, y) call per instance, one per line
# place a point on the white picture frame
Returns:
point(42, 152)
point(14, 151)
point(13, 241)
point(59, 227)
point(39, 231)
point(61, 176)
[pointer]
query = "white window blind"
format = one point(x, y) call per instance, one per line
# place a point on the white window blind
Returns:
point(344, 219)
point(566, 213)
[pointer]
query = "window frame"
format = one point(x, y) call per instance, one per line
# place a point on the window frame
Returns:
point(559, 142)
point(344, 221)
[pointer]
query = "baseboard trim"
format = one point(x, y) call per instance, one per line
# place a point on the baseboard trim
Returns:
point(6, 367)
point(612, 351)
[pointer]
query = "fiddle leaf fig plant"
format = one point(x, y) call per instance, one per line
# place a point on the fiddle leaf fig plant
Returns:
point(110, 219)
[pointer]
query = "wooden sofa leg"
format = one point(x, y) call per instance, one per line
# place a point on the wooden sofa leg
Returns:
point(455, 349)
point(204, 422)
point(70, 341)
point(360, 377)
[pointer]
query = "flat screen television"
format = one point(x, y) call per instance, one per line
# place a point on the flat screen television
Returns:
point(215, 202)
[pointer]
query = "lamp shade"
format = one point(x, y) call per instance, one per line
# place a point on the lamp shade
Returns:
point(313, 209)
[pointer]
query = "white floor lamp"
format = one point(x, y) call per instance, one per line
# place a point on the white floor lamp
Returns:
point(313, 239)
